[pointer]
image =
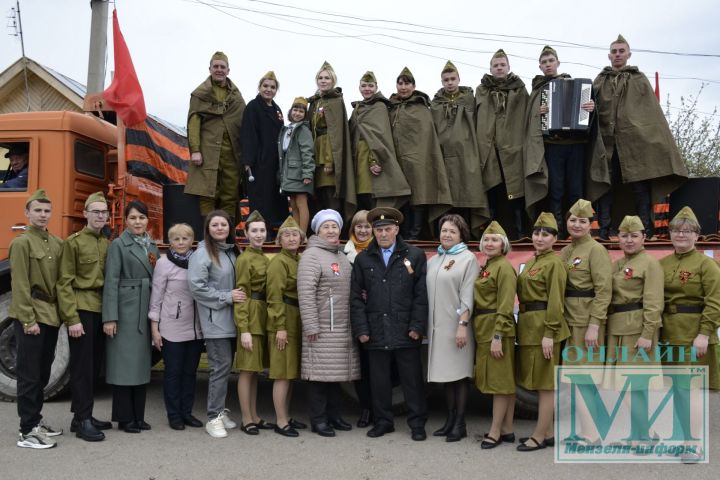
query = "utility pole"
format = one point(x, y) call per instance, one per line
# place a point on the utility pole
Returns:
point(98, 46)
point(17, 25)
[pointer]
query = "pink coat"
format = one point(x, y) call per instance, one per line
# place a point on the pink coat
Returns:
point(171, 303)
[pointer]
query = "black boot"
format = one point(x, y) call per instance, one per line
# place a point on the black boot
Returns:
point(418, 218)
point(445, 429)
point(458, 430)
point(603, 207)
point(87, 431)
point(518, 216)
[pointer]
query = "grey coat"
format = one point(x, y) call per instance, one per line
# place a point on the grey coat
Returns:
point(126, 298)
point(298, 161)
point(211, 286)
point(323, 279)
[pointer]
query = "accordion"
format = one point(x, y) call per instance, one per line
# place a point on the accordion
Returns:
point(564, 98)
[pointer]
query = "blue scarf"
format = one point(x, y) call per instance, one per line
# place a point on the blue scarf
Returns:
point(454, 250)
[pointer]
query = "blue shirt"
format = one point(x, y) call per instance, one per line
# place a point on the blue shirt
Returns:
point(387, 252)
point(18, 181)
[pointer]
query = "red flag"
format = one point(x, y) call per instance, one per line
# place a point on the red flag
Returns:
point(657, 85)
point(124, 93)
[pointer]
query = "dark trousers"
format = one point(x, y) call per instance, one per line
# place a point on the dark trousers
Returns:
point(35, 355)
point(362, 386)
point(128, 403)
point(641, 193)
point(181, 362)
point(409, 369)
point(324, 401)
point(86, 354)
point(416, 217)
point(497, 196)
point(566, 176)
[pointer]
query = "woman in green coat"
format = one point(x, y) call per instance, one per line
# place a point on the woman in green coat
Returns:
point(126, 301)
point(541, 328)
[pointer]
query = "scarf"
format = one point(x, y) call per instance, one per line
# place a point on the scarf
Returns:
point(360, 246)
point(179, 259)
point(499, 88)
point(454, 250)
point(142, 240)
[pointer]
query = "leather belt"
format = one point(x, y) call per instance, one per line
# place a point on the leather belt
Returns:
point(624, 307)
point(257, 296)
point(319, 132)
point(484, 311)
point(291, 301)
point(579, 293)
point(676, 308)
point(38, 294)
point(532, 306)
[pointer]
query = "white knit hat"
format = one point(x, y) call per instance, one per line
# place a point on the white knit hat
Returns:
point(323, 216)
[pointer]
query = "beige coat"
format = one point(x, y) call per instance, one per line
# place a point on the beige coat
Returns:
point(323, 281)
point(450, 287)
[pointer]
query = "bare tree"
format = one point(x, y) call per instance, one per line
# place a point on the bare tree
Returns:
point(697, 135)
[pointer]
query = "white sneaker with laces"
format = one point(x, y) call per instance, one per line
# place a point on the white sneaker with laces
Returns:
point(226, 420)
point(215, 428)
point(35, 439)
point(48, 430)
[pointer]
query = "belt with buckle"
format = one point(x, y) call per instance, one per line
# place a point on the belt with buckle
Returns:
point(532, 306)
point(579, 293)
point(38, 294)
point(676, 308)
point(257, 296)
point(291, 301)
point(624, 307)
point(484, 311)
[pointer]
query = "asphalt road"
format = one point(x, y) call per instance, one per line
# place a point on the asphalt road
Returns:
point(165, 454)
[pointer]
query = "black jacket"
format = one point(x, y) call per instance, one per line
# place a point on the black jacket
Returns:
point(396, 296)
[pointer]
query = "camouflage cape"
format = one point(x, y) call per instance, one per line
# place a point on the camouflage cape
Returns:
point(370, 122)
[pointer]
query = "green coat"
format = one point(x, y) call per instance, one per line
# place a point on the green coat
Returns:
point(219, 132)
point(495, 289)
point(82, 274)
point(333, 109)
point(454, 120)
point(34, 259)
point(250, 269)
point(282, 282)
point(418, 150)
point(126, 299)
point(632, 121)
point(297, 162)
point(500, 116)
point(370, 123)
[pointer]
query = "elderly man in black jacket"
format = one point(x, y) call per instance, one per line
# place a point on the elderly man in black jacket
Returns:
point(389, 317)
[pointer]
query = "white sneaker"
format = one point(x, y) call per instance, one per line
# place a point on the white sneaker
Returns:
point(48, 430)
point(226, 420)
point(35, 439)
point(215, 428)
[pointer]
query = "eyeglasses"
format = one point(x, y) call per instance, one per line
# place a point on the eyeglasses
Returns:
point(686, 233)
point(98, 213)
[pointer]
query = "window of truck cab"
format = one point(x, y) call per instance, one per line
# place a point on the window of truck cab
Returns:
point(89, 159)
point(14, 166)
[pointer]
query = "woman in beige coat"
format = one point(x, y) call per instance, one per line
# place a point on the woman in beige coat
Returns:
point(329, 353)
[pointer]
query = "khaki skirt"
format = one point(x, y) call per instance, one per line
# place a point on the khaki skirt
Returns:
point(532, 370)
point(255, 361)
point(621, 351)
point(285, 364)
point(495, 375)
point(576, 353)
point(710, 360)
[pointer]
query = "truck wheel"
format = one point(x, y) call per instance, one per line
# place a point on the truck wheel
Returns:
point(60, 373)
point(526, 404)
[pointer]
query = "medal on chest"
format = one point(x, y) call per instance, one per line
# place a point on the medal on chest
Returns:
point(684, 276)
point(574, 264)
point(408, 266)
point(534, 271)
point(449, 265)
point(152, 259)
point(628, 272)
point(280, 115)
point(335, 269)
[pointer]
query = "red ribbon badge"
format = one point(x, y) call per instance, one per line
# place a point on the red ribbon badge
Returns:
point(335, 268)
point(449, 265)
point(484, 274)
point(628, 273)
point(684, 276)
point(152, 259)
point(534, 272)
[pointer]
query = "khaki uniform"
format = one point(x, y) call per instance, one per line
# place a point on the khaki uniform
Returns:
point(692, 279)
point(82, 274)
point(283, 314)
point(542, 280)
point(589, 269)
point(495, 290)
point(251, 315)
point(34, 259)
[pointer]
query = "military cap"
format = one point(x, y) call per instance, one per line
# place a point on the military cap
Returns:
point(300, 101)
point(631, 223)
point(270, 76)
point(384, 216)
point(449, 67)
point(686, 213)
point(255, 216)
point(546, 220)
point(500, 53)
point(547, 49)
point(17, 149)
point(95, 197)
point(38, 195)
point(326, 66)
point(289, 224)
point(368, 77)
point(582, 208)
point(621, 39)
point(407, 73)
point(220, 56)
point(495, 229)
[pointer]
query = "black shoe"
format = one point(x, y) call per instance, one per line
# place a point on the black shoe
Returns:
point(88, 432)
point(380, 429)
point(458, 430)
point(340, 424)
point(418, 434)
point(323, 429)
point(287, 431)
point(263, 425)
point(129, 427)
point(177, 424)
point(510, 438)
point(550, 441)
point(449, 421)
point(144, 425)
point(531, 447)
point(191, 421)
point(99, 424)
point(364, 420)
point(604, 235)
point(296, 425)
point(490, 442)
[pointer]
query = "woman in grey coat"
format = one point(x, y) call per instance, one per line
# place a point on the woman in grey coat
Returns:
point(297, 163)
point(211, 275)
point(126, 298)
point(329, 352)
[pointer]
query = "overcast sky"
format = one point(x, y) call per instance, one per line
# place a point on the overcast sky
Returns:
point(171, 42)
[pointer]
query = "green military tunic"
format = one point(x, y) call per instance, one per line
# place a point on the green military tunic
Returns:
point(323, 149)
point(542, 280)
point(251, 315)
point(283, 314)
point(34, 259)
point(589, 269)
point(692, 278)
point(82, 274)
point(495, 290)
